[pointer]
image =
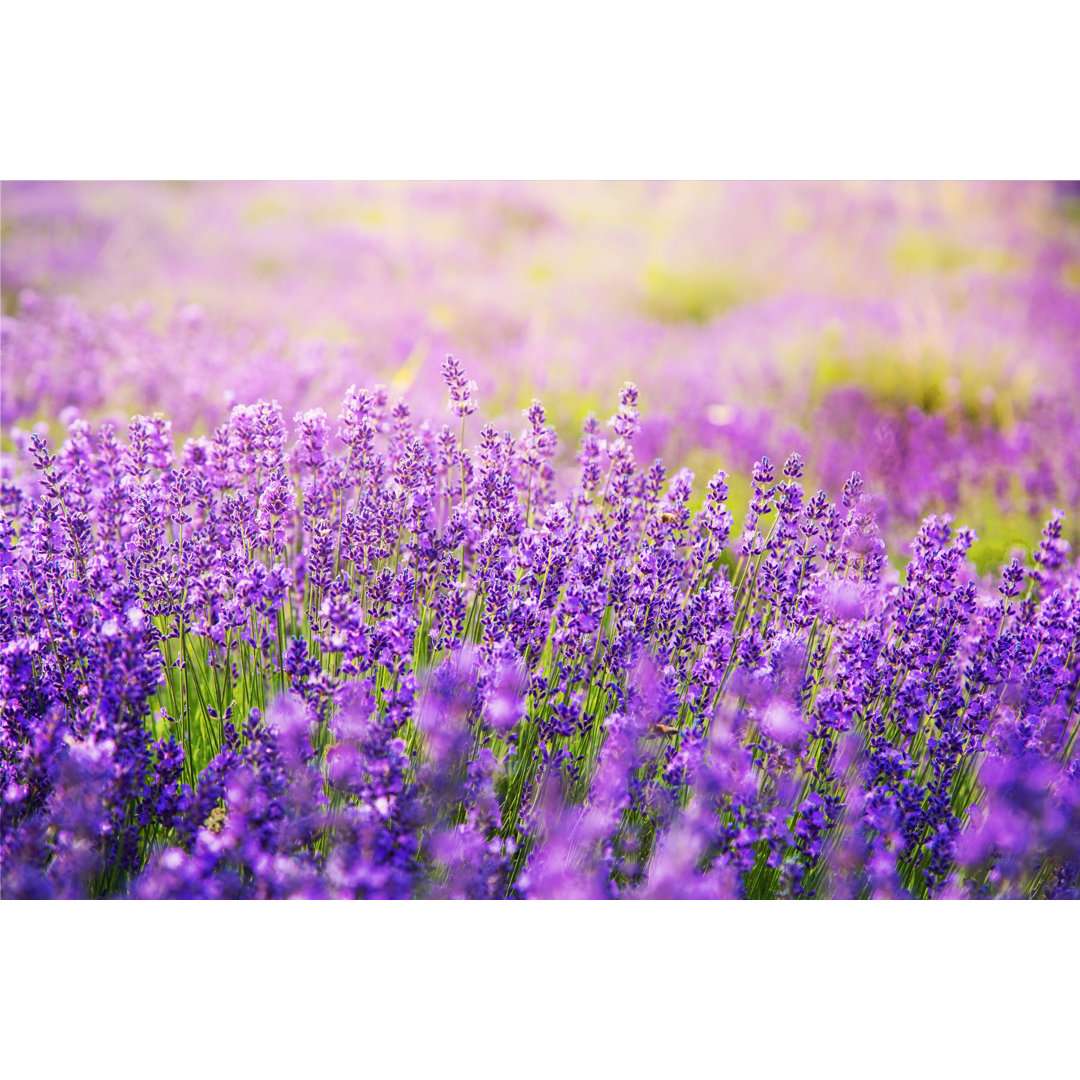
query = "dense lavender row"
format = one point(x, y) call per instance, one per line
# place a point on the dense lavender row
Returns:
point(382, 659)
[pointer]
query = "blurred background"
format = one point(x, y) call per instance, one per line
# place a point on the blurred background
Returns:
point(927, 335)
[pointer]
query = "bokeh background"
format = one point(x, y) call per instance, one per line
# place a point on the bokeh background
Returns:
point(927, 335)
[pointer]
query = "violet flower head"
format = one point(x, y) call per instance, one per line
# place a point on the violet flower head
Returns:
point(462, 403)
point(626, 422)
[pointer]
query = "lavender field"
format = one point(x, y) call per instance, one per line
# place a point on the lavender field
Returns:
point(540, 541)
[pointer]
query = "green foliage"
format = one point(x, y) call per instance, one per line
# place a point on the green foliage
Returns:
point(1000, 530)
point(919, 251)
point(895, 378)
point(693, 295)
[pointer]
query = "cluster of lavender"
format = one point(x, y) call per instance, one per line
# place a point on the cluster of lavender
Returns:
point(374, 659)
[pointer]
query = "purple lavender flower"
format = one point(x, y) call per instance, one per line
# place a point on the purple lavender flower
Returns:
point(464, 673)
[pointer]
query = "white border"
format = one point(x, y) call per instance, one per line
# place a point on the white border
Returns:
point(844, 989)
point(229, 90)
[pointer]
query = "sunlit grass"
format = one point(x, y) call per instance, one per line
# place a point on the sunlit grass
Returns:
point(897, 377)
point(694, 295)
point(919, 251)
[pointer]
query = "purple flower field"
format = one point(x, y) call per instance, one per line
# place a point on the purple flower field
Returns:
point(540, 541)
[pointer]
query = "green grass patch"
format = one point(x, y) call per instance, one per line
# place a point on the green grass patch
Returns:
point(896, 378)
point(694, 295)
point(919, 251)
point(1001, 531)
